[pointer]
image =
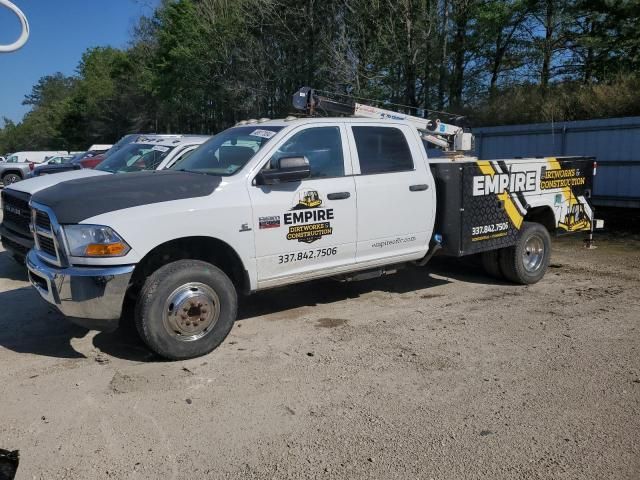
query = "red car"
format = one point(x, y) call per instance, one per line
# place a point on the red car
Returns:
point(91, 159)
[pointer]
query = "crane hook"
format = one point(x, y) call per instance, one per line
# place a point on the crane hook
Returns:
point(24, 35)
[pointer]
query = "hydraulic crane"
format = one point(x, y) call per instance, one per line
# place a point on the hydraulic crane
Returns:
point(446, 136)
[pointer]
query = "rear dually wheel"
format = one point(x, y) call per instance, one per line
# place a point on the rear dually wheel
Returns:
point(526, 262)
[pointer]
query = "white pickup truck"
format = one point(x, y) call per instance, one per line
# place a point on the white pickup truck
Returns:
point(275, 202)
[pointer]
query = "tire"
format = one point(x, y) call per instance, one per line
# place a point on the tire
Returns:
point(186, 309)
point(10, 178)
point(491, 263)
point(526, 262)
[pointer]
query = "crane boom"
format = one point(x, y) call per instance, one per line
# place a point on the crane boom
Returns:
point(444, 135)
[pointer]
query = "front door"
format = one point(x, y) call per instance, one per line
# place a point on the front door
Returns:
point(303, 228)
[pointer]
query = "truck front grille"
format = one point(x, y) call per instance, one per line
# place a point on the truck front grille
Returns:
point(47, 245)
point(16, 212)
point(45, 236)
point(43, 220)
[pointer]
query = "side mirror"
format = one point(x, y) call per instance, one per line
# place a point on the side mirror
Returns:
point(288, 169)
point(51, 162)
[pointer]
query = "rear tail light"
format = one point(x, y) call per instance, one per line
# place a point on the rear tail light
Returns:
point(595, 168)
point(32, 166)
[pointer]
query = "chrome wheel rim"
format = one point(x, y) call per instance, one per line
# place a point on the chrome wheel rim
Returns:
point(191, 311)
point(533, 253)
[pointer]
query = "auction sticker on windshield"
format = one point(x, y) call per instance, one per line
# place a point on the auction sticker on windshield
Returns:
point(263, 133)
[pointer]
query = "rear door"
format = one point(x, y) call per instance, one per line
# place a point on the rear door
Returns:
point(396, 198)
point(302, 228)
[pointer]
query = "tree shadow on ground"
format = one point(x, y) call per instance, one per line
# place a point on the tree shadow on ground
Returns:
point(11, 269)
point(319, 292)
point(465, 269)
point(29, 325)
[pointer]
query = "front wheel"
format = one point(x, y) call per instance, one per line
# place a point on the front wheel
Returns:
point(186, 309)
point(526, 262)
point(10, 178)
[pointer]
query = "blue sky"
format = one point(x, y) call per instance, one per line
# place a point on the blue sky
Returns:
point(60, 31)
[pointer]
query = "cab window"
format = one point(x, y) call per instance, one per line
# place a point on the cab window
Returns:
point(382, 150)
point(322, 146)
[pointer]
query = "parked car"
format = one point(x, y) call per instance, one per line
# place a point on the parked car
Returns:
point(177, 144)
point(34, 156)
point(91, 158)
point(53, 166)
point(59, 159)
point(19, 165)
point(126, 140)
point(95, 155)
point(151, 153)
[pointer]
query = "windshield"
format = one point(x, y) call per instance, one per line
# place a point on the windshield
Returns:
point(134, 158)
point(229, 151)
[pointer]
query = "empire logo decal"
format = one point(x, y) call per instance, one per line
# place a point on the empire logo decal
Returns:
point(307, 221)
point(500, 182)
point(561, 178)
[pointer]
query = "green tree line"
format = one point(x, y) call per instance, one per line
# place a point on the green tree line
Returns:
point(198, 66)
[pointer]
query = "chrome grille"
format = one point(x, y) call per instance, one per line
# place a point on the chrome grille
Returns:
point(46, 233)
point(42, 220)
point(47, 245)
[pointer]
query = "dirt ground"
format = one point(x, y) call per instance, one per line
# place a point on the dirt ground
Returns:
point(436, 373)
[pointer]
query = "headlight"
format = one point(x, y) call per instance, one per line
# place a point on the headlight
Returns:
point(94, 241)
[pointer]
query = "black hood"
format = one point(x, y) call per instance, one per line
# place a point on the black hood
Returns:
point(76, 200)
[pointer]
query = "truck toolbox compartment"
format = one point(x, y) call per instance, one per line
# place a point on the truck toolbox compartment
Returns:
point(482, 204)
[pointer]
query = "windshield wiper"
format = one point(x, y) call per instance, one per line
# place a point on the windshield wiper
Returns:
point(191, 171)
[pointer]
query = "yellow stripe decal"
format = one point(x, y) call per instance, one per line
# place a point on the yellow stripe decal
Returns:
point(512, 211)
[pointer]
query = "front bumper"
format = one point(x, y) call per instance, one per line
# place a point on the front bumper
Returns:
point(91, 297)
point(14, 243)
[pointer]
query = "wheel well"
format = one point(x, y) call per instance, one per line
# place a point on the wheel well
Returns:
point(542, 215)
point(5, 173)
point(206, 249)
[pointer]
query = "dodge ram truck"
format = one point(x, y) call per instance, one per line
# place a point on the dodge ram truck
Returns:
point(271, 203)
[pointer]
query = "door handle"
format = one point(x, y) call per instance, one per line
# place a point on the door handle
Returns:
point(338, 196)
point(418, 188)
